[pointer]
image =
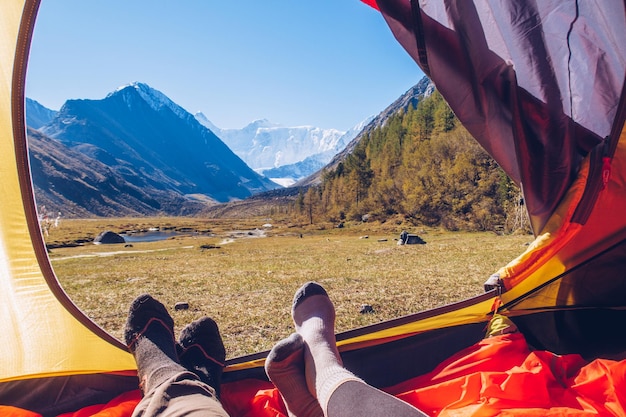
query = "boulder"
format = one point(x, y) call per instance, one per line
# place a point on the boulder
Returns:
point(108, 237)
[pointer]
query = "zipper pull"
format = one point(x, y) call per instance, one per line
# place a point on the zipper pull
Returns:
point(606, 171)
point(606, 163)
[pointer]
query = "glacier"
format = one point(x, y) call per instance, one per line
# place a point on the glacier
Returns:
point(271, 148)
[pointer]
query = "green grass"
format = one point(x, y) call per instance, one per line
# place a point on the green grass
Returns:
point(247, 286)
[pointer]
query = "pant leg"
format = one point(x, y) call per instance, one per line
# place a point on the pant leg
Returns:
point(181, 395)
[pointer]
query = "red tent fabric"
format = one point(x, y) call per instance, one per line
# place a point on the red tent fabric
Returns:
point(502, 376)
point(371, 3)
point(498, 376)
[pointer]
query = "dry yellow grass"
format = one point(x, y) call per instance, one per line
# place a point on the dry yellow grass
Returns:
point(247, 285)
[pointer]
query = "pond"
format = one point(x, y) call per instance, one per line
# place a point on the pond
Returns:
point(153, 235)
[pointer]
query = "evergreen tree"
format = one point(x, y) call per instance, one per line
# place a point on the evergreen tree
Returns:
point(421, 164)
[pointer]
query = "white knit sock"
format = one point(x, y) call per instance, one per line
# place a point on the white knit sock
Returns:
point(314, 317)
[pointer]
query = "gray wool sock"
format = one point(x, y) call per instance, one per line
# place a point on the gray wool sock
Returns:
point(284, 366)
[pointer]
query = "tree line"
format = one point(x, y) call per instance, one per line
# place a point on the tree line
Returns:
point(421, 165)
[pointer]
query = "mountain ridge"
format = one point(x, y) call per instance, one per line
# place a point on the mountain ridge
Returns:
point(286, 196)
point(270, 148)
point(37, 115)
point(76, 185)
point(107, 131)
point(152, 143)
point(410, 98)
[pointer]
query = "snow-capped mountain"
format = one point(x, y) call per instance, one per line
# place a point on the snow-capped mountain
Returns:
point(200, 117)
point(283, 154)
point(151, 141)
point(288, 175)
point(154, 98)
point(263, 144)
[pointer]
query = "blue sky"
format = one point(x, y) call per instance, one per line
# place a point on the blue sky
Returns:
point(325, 63)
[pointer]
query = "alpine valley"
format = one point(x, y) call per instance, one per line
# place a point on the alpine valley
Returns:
point(136, 152)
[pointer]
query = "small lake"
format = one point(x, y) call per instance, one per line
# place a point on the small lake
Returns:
point(153, 235)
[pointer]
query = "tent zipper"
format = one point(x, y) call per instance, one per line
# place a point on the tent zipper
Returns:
point(600, 164)
point(598, 179)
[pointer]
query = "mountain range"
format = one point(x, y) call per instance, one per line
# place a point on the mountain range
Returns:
point(293, 173)
point(285, 197)
point(153, 144)
point(410, 98)
point(283, 154)
point(137, 152)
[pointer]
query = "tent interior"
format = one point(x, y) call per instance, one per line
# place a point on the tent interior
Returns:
point(542, 88)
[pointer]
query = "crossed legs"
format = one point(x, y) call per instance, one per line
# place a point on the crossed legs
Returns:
point(307, 369)
point(183, 377)
point(176, 378)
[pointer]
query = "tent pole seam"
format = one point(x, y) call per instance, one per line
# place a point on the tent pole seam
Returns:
point(569, 60)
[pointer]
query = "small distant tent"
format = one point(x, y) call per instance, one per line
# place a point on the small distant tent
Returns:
point(541, 86)
point(407, 238)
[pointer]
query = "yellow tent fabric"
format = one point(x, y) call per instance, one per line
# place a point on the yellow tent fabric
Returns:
point(45, 335)
point(40, 337)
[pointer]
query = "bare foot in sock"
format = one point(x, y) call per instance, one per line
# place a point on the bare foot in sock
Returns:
point(149, 334)
point(201, 351)
point(284, 366)
point(314, 317)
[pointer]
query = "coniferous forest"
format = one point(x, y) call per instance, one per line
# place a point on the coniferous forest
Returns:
point(422, 165)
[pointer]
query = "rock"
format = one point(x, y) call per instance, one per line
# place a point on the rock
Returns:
point(209, 246)
point(181, 306)
point(108, 237)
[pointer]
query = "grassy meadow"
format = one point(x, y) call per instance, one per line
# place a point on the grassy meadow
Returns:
point(246, 283)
